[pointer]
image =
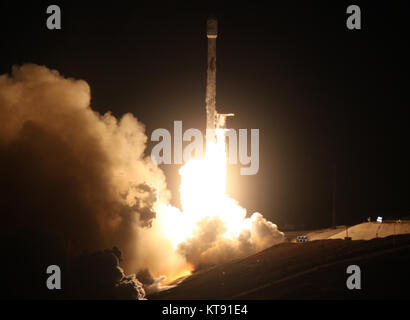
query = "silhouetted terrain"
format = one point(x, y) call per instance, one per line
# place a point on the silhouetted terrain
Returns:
point(312, 270)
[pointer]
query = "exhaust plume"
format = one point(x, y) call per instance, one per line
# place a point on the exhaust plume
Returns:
point(71, 179)
point(74, 181)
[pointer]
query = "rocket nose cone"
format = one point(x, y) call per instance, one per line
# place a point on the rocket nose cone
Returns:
point(212, 26)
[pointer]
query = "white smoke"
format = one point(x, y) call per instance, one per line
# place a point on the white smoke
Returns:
point(208, 245)
point(81, 176)
point(84, 180)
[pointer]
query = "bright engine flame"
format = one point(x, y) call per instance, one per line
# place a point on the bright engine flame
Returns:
point(204, 200)
point(203, 194)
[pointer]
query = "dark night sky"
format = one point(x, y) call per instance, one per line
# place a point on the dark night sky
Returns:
point(320, 94)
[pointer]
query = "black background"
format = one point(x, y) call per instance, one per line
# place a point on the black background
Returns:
point(322, 96)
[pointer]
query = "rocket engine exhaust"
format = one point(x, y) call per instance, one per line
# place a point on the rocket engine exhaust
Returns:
point(100, 189)
point(212, 227)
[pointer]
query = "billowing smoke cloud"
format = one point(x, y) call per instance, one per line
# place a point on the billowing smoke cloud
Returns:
point(71, 179)
point(74, 182)
point(208, 245)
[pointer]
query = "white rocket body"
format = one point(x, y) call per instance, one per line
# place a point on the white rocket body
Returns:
point(214, 120)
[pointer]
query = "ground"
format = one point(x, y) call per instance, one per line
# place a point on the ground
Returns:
point(312, 270)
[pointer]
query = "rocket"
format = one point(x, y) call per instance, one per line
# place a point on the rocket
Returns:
point(214, 120)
